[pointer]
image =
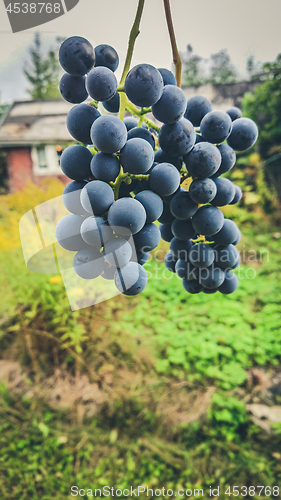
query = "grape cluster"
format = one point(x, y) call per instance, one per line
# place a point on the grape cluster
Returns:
point(127, 175)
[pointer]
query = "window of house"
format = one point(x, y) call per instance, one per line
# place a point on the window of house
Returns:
point(45, 160)
point(42, 160)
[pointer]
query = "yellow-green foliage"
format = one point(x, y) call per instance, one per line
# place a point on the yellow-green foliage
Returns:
point(13, 206)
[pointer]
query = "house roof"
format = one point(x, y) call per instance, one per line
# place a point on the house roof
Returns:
point(28, 123)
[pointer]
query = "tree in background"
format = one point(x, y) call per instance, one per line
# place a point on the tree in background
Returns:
point(193, 68)
point(264, 107)
point(253, 68)
point(43, 70)
point(199, 71)
point(222, 70)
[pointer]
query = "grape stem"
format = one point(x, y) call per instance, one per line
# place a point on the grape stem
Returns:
point(132, 38)
point(141, 112)
point(185, 175)
point(176, 56)
point(202, 239)
point(122, 177)
point(94, 104)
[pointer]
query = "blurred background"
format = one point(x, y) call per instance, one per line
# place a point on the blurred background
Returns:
point(164, 389)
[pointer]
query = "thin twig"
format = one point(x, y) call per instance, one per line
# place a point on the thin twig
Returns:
point(133, 35)
point(132, 38)
point(176, 56)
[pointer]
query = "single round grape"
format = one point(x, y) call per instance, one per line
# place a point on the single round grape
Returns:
point(192, 286)
point(113, 104)
point(216, 126)
point(161, 157)
point(71, 197)
point(143, 134)
point(96, 231)
point(225, 192)
point(68, 232)
point(171, 105)
point(234, 113)
point(88, 263)
point(208, 220)
point(228, 233)
point(170, 261)
point(226, 256)
point(108, 134)
point(177, 138)
point(164, 179)
point(75, 162)
point(196, 108)
point(201, 255)
point(237, 239)
point(228, 159)
point(144, 85)
point(79, 121)
point(137, 156)
point(142, 257)
point(237, 263)
point(203, 160)
point(243, 135)
point(186, 270)
point(181, 248)
point(130, 122)
point(237, 196)
point(117, 252)
point(152, 203)
point(202, 190)
point(147, 238)
point(105, 167)
point(131, 279)
point(168, 77)
point(182, 229)
point(73, 88)
point(166, 217)
point(209, 291)
point(126, 215)
point(182, 207)
point(76, 56)
point(166, 232)
point(97, 197)
point(101, 83)
point(229, 284)
point(211, 277)
point(106, 56)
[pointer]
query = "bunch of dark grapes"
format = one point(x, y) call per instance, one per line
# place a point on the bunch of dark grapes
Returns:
point(125, 176)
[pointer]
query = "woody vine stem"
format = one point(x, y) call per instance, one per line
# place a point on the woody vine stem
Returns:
point(124, 103)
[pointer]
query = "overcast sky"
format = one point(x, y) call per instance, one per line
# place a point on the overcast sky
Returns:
point(244, 27)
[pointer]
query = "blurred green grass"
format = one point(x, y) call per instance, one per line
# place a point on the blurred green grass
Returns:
point(173, 348)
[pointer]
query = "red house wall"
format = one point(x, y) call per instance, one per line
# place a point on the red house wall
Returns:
point(19, 167)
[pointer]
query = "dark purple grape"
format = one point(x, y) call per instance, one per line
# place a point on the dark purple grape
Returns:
point(196, 108)
point(76, 56)
point(107, 56)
